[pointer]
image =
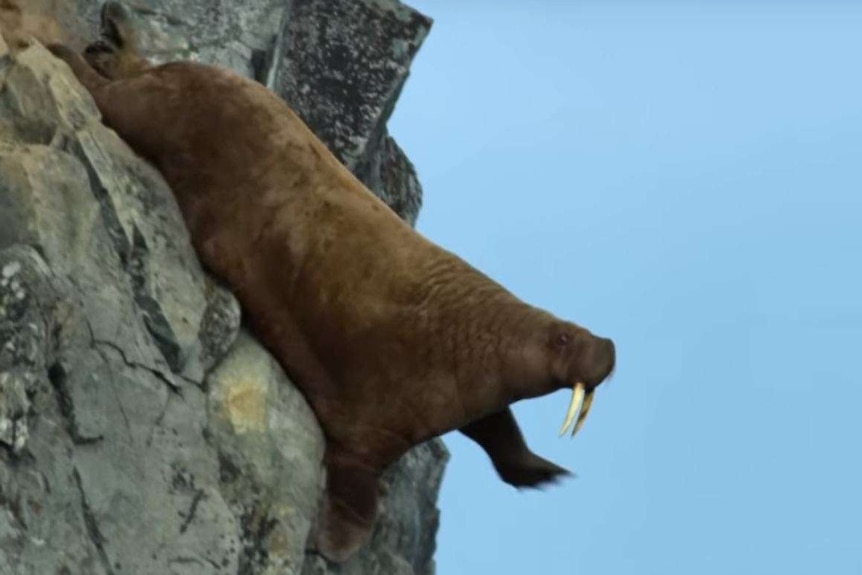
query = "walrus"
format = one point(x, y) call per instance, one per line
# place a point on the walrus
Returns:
point(391, 339)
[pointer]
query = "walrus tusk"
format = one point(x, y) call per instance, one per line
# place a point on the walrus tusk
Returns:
point(585, 409)
point(578, 392)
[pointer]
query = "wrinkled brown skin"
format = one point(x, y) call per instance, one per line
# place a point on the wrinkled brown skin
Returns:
point(392, 339)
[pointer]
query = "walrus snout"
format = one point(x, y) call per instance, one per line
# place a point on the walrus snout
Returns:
point(111, 17)
point(595, 363)
point(114, 54)
point(601, 362)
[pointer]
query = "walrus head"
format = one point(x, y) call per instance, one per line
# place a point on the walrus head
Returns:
point(581, 362)
point(115, 53)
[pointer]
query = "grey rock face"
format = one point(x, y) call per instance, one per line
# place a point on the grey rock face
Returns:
point(344, 64)
point(270, 453)
point(237, 35)
point(107, 467)
point(388, 172)
point(141, 430)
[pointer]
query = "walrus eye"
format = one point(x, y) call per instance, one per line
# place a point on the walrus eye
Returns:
point(562, 340)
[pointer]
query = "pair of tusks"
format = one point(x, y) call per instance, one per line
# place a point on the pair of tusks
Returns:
point(582, 401)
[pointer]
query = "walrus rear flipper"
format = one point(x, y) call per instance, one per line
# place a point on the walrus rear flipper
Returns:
point(348, 509)
point(501, 438)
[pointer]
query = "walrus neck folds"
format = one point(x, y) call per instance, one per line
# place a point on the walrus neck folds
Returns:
point(527, 365)
point(492, 332)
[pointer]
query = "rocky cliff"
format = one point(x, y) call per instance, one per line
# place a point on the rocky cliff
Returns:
point(142, 429)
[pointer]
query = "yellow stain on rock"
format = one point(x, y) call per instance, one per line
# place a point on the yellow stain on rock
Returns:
point(245, 404)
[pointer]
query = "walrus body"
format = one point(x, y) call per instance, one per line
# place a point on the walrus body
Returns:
point(392, 339)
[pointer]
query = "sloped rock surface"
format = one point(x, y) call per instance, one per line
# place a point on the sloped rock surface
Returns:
point(108, 465)
point(141, 430)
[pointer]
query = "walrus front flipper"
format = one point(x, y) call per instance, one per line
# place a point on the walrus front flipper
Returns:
point(348, 509)
point(501, 438)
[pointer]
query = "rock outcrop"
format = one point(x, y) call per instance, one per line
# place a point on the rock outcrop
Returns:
point(142, 429)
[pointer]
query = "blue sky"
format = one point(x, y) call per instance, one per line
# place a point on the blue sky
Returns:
point(687, 179)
